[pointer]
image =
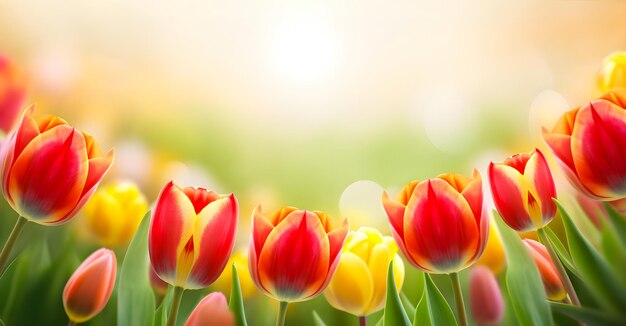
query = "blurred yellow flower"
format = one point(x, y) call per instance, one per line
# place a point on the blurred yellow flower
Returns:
point(224, 282)
point(114, 213)
point(493, 256)
point(613, 73)
point(359, 285)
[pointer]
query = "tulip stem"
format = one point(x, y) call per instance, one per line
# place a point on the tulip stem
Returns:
point(282, 313)
point(559, 267)
point(8, 246)
point(362, 320)
point(458, 296)
point(178, 295)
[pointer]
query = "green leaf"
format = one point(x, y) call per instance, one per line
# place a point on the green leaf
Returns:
point(438, 308)
point(523, 280)
point(593, 269)
point(160, 315)
point(558, 246)
point(135, 297)
point(317, 320)
point(587, 316)
point(406, 303)
point(394, 312)
point(422, 316)
point(236, 300)
point(618, 222)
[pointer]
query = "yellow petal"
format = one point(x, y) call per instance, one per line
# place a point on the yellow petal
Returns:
point(351, 288)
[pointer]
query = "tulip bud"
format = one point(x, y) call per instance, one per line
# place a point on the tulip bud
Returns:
point(50, 169)
point(359, 286)
point(438, 223)
point(12, 94)
point(613, 73)
point(192, 233)
point(293, 254)
point(522, 189)
point(589, 143)
point(90, 287)
point(114, 212)
point(549, 275)
point(224, 282)
point(212, 310)
point(486, 303)
point(493, 257)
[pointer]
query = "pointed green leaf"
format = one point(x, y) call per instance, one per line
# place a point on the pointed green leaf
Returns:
point(593, 268)
point(394, 312)
point(618, 222)
point(523, 280)
point(587, 316)
point(406, 303)
point(317, 320)
point(438, 308)
point(558, 246)
point(160, 315)
point(236, 300)
point(135, 301)
point(422, 316)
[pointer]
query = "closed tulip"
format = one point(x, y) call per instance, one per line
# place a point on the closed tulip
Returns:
point(589, 143)
point(114, 213)
point(90, 287)
point(549, 274)
point(224, 282)
point(438, 223)
point(211, 311)
point(50, 169)
point(522, 189)
point(12, 94)
point(192, 233)
point(294, 253)
point(360, 282)
point(486, 303)
point(613, 73)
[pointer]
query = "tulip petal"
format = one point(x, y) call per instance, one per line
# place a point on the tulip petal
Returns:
point(170, 230)
point(351, 289)
point(49, 175)
point(440, 230)
point(214, 237)
point(395, 214)
point(378, 264)
point(294, 262)
point(508, 197)
point(473, 194)
point(538, 172)
point(336, 240)
point(598, 142)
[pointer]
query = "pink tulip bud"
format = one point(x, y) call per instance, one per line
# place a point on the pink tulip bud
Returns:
point(486, 302)
point(212, 310)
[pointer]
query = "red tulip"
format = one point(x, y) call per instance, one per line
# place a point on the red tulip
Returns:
point(589, 144)
point(50, 169)
point(549, 274)
point(12, 94)
point(90, 287)
point(192, 233)
point(438, 223)
point(212, 310)
point(522, 189)
point(486, 301)
point(293, 253)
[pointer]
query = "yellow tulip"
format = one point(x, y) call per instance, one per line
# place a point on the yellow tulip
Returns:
point(613, 73)
point(114, 213)
point(240, 259)
point(360, 283)
point(493, 256)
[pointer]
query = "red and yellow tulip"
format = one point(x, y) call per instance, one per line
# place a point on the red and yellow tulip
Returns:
point(90, 287)
point(438, 223)
point(486, 303)
point(212, 310)
point(359, 286)
point(50, 169)
point(12, 94)
point(522, 189)
point(549, 274)
point(294, 253)
point(589, 144)
point(192, 233)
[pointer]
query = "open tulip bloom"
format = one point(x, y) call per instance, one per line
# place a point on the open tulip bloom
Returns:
point(192, 234)
point(293, 254)
point(49, 171)
point(439, 225)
